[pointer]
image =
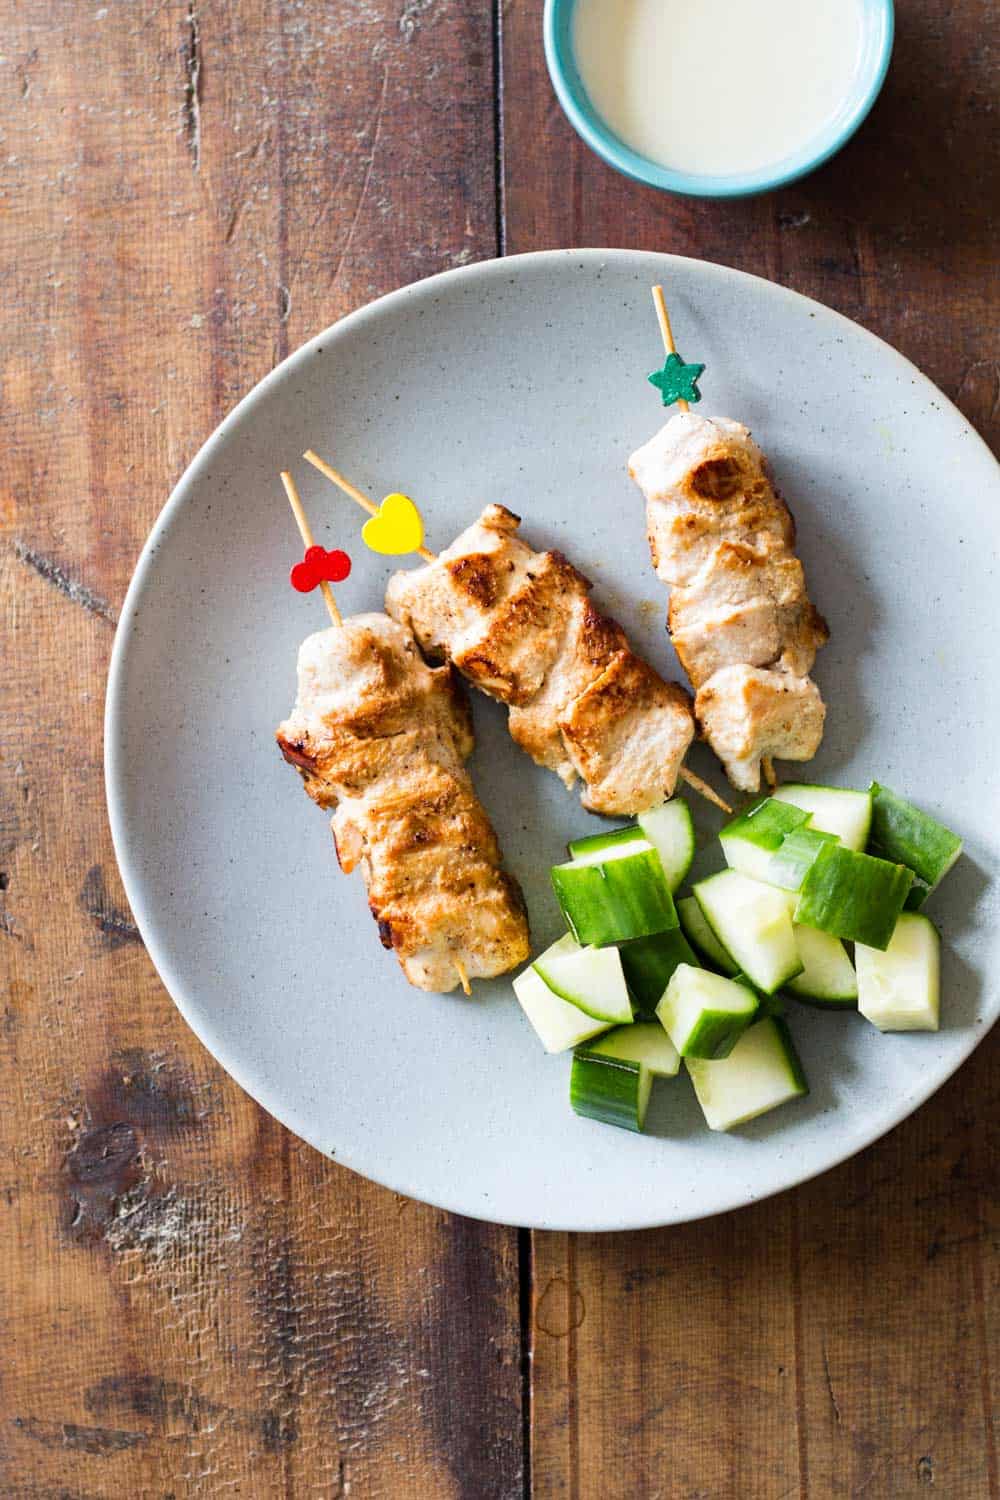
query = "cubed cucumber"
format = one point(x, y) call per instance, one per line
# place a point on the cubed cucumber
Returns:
point(917, 895)
point(700, 935)
point(614, 895)
point(789, 864)
point(558, 1024)
point(902, 833)
point(612, 842)
point(853, 896)
point(704, 1014)
point(761, 1072)
point(589, 978)
point(750, 841)
point(752, 923)
point(611, 1090)
point(835, 809)
point(671, 832)
point(649, 962)
point(643, 1042)
point(612, 1076)
point(899, 989)
point(828, 978)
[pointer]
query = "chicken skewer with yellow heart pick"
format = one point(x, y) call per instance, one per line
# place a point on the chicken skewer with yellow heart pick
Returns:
point(380, 738)
point(520, 625)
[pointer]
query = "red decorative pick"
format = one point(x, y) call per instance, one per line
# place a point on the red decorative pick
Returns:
point(319, 566)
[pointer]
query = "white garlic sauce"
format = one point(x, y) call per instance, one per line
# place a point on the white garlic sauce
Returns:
point(717, 86)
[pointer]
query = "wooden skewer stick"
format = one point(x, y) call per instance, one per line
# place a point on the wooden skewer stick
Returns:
point(663, 318)
point(305, 531)
point(359, 498)
point(708, 792)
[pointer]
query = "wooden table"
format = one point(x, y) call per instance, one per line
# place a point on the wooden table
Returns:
point(196, 1304)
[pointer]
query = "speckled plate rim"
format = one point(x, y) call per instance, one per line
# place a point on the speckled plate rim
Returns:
point(849, 1142)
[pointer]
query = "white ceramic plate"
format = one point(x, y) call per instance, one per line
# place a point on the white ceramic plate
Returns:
point(523, 381)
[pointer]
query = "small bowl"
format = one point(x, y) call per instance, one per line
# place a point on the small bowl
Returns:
point(878, 26)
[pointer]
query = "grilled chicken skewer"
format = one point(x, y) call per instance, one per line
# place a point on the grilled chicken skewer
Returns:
point(520, 626)
point(740, 618)
point(381, 737)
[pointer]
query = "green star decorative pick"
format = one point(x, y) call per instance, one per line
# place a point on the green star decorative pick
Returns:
point(677, 381)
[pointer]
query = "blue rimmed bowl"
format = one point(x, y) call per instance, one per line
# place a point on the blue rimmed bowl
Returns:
point(876, 50)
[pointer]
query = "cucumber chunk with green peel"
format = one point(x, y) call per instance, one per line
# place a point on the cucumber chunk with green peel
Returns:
point(612, 1075)
point(557, 1024)
point(767, 1005)
point(839, 810)
point(917, 895)
point(589, 978)
point(899, 989)
point(649, 962)
point(610, 1089)
point(609, 844)
point(671, 832)
point(902, 833)
point(644, 1042)
point(700, 935)
point(753, 924)
point(853, 896)
point(615, 897)
point(774, 842)
point(599, 848)
point(790, 864)
point(751, 840)
point(762, 1072)
point(828, 977)
point(704, 1014)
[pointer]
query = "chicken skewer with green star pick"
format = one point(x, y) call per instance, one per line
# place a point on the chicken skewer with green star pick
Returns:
point(740, 617)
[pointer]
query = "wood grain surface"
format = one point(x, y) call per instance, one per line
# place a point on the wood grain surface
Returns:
point(195, 1303)
point(198, 1304)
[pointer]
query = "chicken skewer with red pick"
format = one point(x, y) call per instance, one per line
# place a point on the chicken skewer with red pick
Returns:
point(380, 737)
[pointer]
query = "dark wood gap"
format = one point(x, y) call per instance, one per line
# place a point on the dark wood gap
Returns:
point(525, 1277)
point(499, 163)
point(525, 1242)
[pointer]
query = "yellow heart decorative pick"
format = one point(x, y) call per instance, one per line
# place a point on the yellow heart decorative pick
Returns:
point(396, 527)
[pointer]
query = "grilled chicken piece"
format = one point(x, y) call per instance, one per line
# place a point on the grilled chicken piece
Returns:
point(520, 625)
point(745, 606)
point(746, 713)
point(722, 537)
point(706, 481)
point(627, 735)
point(381, 737)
